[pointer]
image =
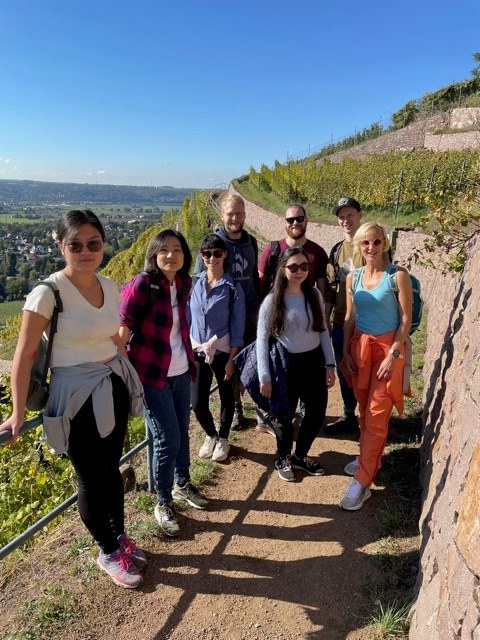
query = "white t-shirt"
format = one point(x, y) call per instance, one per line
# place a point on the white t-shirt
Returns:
point(84, 332)
point(179, 361)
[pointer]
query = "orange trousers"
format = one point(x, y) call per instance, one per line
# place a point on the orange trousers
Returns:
point(376, 398)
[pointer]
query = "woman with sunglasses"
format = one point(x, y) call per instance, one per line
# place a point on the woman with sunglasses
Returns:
point(293, 314)
point(159, 348)
point(217, 324)
point(375, 331)
point(92, 388)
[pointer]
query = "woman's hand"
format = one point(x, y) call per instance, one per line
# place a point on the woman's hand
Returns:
point(14, 425)
point(229, 369)
point(349, 365)
point(330, 377)
point(266, 389)
point(386, 368)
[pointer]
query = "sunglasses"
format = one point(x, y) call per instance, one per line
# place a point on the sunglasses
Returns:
point(376, 243)
point(92, 245)
point(291, 221)
point(216, 253)
point(293, 268)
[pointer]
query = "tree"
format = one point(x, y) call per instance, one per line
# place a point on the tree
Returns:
point(476, 70)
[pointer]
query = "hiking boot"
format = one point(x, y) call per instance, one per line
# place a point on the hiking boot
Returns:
point(352, 467)
point(120, 568)
point(355, 496)
point(190, 494)
point(167, 520)
point(345, 424)
point(308, 465)
point(284, 469)
point(207, 447)
point(221, 450)
point(129, 546)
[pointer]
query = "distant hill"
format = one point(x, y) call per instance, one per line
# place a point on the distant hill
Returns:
point(31, 192)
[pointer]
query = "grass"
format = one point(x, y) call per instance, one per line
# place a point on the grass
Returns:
point(391, 620)
point(47, 615)
point(407, 216)
point(9, 309)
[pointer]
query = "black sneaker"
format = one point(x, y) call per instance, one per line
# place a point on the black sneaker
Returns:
point(344, 424)
point(308, 465)
point(284, 469)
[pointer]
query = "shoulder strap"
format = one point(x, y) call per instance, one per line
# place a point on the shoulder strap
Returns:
point(275, 248)
point(357, 276)
point(57, 308)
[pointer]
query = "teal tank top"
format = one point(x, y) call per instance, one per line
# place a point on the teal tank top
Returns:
point(376, 309)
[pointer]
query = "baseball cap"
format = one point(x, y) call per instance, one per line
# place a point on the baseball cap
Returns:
point(346, 202)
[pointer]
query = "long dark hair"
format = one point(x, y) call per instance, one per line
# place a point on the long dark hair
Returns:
point(157, 243)
point(69, 224)
point(312, 301)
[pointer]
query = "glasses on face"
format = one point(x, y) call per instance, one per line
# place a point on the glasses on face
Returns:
point(293, 268)
point(291, 221)
point(216, 253)
point(74, 246)
point(376, 243)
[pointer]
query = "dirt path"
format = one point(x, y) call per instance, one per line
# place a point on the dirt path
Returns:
point(269, 560)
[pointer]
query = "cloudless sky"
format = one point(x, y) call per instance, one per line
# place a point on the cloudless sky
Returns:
point(192, 93)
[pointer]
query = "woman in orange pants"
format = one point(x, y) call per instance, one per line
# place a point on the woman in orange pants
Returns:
point(376, 328)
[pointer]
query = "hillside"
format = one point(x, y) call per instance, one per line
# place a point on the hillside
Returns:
point(30, 192)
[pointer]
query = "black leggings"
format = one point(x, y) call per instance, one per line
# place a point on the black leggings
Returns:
point(306, 382)
point(96, 461)
point(200, 394)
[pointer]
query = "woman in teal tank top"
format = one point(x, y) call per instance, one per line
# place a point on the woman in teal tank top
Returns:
point(375, 331)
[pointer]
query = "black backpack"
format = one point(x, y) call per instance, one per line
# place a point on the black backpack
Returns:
point(271, 267)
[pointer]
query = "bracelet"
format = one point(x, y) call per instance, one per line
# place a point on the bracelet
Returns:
point(329, 366)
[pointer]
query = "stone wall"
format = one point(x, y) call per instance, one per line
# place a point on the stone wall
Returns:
point(410, 137)
point(448, 587)
point(452, 141)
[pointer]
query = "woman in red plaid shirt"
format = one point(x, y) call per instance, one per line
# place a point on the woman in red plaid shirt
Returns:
point(159, 348)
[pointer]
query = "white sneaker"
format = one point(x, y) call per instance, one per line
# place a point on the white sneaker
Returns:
point(221, 450)
point(355, 496)
point(207, 447)
point(352, 467)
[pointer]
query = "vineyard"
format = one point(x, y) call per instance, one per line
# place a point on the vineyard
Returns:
point(420, 178)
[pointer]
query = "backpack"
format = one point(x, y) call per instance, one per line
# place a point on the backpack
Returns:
point(37, 395)
point(272, 264)
point(417, 301)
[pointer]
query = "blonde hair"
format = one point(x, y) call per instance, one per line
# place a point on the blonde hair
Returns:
point(362, 232)
point(230, 198)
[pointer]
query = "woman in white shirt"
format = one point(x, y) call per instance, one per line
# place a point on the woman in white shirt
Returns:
point(92, 388)
point(293, 315)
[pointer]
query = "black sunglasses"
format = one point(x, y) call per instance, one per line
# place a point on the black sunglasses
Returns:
point(299, 219)
point(293, 268)
point(216, 253)
point(92, 245)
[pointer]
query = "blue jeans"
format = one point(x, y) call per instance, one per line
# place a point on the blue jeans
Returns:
point(168, 419)
point(349, 400)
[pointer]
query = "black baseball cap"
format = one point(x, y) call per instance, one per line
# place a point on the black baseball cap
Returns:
point(346, 202)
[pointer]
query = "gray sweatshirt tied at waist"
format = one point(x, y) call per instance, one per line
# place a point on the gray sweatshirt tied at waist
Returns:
point(71, 386)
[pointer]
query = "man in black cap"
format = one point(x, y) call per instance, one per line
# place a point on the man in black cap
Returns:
point(340, 263)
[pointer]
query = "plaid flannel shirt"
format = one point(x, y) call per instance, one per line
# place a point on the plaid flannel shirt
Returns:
point(149, 350)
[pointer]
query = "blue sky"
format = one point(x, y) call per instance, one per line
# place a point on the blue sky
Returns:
point(193, 93)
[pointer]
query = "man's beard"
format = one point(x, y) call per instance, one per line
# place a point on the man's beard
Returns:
point(295, 234)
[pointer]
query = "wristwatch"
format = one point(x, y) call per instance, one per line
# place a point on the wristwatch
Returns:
point(396, 353)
